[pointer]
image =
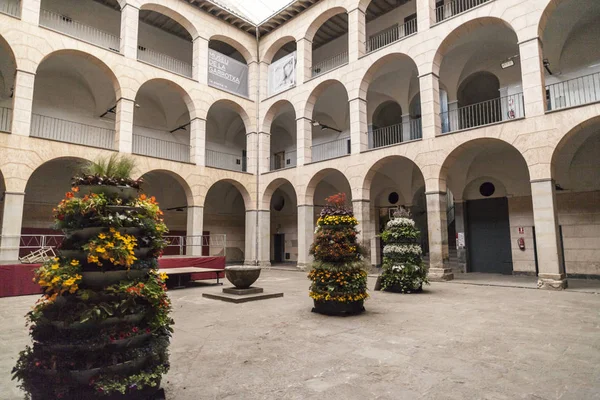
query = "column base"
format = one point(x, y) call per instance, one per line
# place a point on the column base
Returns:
point(264, 264)
point(304, 266)
point(440, 274)
point(552, 282)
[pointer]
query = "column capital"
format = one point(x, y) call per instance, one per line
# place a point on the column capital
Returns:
point(542, 180)
point(357, 9)
point(439, 193)
point(14, 193)
point(429, 73)
point(529, 40)
point(18, 70)
point(357, 98)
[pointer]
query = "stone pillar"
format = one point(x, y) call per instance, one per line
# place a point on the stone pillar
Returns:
point(547, 236)
point(251, 153)
point(198, 141)
point(201, 57)
point(452, 118)
point(195, 226)
point(124, 125)
point(304, 141)
point(12, 222)
point(461, 233)
point(425, 14)
point(130, 17)
point(30, 11)
point(304, 61)
point(306, 231)
point(437, 227)
point(430, 105)
point(264, 152)
point(532, 76)
point(366, 226)
point(406, 128)
point(250, 238)
point(253, 83)
point(22, 103)
point(359, 131)
point(264, 238)
point(264, 80)
point(356, 34)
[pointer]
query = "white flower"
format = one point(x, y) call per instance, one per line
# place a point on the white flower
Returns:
point(402, 249)
point(400, 222)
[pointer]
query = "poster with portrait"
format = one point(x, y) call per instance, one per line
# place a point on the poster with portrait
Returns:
point(227, 74)
point(282, 74)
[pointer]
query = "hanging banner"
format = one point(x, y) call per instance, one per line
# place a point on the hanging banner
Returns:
point(282, 74)
point(227, 74)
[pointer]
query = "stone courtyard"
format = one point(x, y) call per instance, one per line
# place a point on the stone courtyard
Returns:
point(454, 341)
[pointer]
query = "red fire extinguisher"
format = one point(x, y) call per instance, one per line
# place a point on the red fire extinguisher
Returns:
point(521, 243)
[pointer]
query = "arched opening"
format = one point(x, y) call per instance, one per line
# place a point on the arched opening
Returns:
point(391, 183)
point(225, 214)
point(161, 121)
point(283, 209)
point(74, 100)
point(330, 44)
point(571, 49)
point(8, 70)
point(330, 121)
point(164, 41)
point(172, 198)
point(226, 137)
point(390, 83)
point(388, 22)
point(227, 66)
point(282, 68)
point(576, 170)
point(488, 182)
point(327, 183)
point(45, 188)
point(283, 152)
point(471, 59)
point(96, 22)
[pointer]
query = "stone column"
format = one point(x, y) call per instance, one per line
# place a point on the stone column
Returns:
point(130, 17)
point(30, 11)
point(264, 238)
point(253, 83)
point(198, 141)
point(201, 58)
point(251, 153)
point(12, 222)
point(356, 34)
point(532, 76)
point(437, 228)
point(430, 105)
point(306, 231)
point(304, 141)
point(461, 248)
point(359, 131)
point(453, 119)
point(406, 128)
point(425, 14)
point(366, 226)
point(264, 152)
point(250, 238)
point(195, 226)
point(547, 235)
point(22, 103)
point(304, 61)
point(264, 80)
point(124, 125)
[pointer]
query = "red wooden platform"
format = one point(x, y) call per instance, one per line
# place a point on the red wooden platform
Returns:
point(17, 279)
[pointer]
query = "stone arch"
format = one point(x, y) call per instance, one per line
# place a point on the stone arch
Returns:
point(187, 99)
point(8, 69)
point(574, 137)
point(239, 186)
point(174, 15)
point(248, 57)
point(180, 180)
point(235, 107)
point(314, 96)
point(365, 189)
point(466, 29)
point(272, 114)
point(321, 19)
point(545, 16)
point(270, 190)
point(370, 74)
point(309, 192)
point(274, 48)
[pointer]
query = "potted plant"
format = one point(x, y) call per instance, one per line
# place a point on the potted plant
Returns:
point(102, 327)
point(339, 280)
point(403, 267)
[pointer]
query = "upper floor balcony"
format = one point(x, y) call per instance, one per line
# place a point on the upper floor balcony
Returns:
point(446, 9)
point(10, 7)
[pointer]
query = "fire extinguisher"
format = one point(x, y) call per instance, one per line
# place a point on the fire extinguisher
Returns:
point(521, 243)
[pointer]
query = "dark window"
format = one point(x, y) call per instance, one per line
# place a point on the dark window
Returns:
point(278, 203)
point(487, 189)
point(393, 198)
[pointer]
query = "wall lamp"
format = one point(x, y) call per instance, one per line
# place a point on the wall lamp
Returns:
point(323, 126)
point(113, 110)
point(547, 65)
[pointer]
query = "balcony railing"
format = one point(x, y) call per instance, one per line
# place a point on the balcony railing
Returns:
point(232, 162)
point(149, 146)
point(71, 132)
point(287, 161)
point(484, 113)
point(10, 7)
point(332, 149)
point(68, 26)
point(455, 7)
point(391, 35)
point(164, 61)
point(574, 92)
point(394, 134)
point(5, 119)
point(329, 64)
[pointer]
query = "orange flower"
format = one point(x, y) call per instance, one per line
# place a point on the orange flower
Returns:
point(75, 189)
point(142, 197)
point(69, 195)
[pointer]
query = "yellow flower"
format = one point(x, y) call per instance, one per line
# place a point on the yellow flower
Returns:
point(74, 263)
point(102, 236)
point(100, 250)
point(92, 259)
point(56, 279)
point(54, 266)
point(112, 230)
point(164, 276)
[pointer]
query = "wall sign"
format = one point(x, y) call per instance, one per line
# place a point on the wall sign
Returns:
point(282, 74)
point(227, 74)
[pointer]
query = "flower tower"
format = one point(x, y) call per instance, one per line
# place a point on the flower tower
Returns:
point(339, 280)
point(403, 267)
point(102, 327)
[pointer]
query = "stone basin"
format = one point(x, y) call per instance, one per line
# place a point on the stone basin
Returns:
point(242, 277)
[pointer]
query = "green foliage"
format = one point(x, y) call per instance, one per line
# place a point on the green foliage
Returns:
point(116, 166)
point(132, 383)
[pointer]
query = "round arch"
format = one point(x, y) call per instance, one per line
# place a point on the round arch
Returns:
point(187, 99)
point(367, 181)
point(248, 57)
point(7, 69)
point(309, 192)
point(238, 185)
point(464, 30)
point(235, 107)
point(272, 114)
point(545, 16)
point(389, 112)
point(478, 87)
point(309, 34)
point(178, 178)
point(274, 48)
point(309, 106)
point(271, 188)
point(369, 76)
point(174, 15)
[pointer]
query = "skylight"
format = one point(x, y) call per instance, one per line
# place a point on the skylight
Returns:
point(255, 11)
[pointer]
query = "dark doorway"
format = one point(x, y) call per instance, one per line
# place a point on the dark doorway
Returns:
point(279, 247)
point(205, 243)
point(489, 236)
